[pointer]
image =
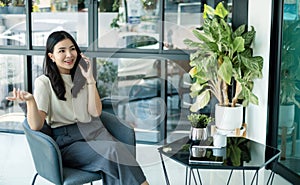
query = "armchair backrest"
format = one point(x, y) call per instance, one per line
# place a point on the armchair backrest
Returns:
point(45, 153)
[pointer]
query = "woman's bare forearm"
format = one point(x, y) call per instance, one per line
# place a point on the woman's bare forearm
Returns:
point(94, 101)
point(35, 117)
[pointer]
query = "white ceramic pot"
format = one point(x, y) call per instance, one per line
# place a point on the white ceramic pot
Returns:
point(286, 115)
point(228, 118)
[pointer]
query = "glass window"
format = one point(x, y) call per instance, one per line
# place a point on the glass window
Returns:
point(37, 67)
point(181, 18)
point(49, 16)
point(130, 88)
point(11, 76)
point(12, 23)
point(129, 24)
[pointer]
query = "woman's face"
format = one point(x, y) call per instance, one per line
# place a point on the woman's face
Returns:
point(64, 55)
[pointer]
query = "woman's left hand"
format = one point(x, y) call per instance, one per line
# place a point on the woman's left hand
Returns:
point(18, 95)
point(88, 74)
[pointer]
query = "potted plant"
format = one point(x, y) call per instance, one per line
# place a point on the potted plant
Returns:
point(223, 58)
point(199, 124)
point(290, 66)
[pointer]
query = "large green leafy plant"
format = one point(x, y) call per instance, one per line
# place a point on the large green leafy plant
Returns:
point(223, 58)
point(290, 63)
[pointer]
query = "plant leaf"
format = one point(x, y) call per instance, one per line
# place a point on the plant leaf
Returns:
point(225, 70)
point(191, 43)
point(249, 36)
point(193, 72)
point(254, 65)
point(201, 101)
point(238, 44)
point(235, 155)
point(221, 11)
point(208, 11)
point(203, 36)
point(239, 31)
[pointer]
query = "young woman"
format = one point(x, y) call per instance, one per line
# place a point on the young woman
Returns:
point(67, 98)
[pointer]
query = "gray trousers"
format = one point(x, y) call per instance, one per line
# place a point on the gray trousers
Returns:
point(90, 147)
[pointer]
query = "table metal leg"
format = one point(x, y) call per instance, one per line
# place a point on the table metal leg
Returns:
point(194, 176)
point(190, 177)
point(165, 170)
point(272, 174)
point(229, 177)
point(255, 176)
point(199, 176)
point(271, 177)
point(186, 175)
point(244, 177)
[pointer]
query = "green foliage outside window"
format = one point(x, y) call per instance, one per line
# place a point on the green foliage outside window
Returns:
point(106, 77)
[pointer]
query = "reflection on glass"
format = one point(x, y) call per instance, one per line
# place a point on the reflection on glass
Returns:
point(129, 24)
point(12, 28)
point(291, 9)
point(37, 67)
point(288, 124)
point(49, 16)
point(12, 23)
point(11, 76)
point(12, 7)
point(130, 88)
point(181, 17)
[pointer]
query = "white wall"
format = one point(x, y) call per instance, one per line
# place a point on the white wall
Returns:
point(256, 116)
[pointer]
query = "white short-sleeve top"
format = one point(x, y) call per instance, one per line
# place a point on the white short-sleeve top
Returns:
point(59, 112)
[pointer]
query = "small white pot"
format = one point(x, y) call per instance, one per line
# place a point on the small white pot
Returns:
point(219, 140)
point(219, 152)
point(286, 115)
point(228, 118)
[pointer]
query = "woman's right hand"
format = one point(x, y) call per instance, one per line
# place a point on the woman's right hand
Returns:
point(20, 95)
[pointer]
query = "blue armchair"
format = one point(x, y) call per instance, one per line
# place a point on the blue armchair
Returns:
point(47, 158)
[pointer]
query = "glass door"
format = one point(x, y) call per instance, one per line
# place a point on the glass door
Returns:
point(289, 96)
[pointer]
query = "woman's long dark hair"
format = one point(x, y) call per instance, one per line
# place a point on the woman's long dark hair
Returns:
point(52, 72)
